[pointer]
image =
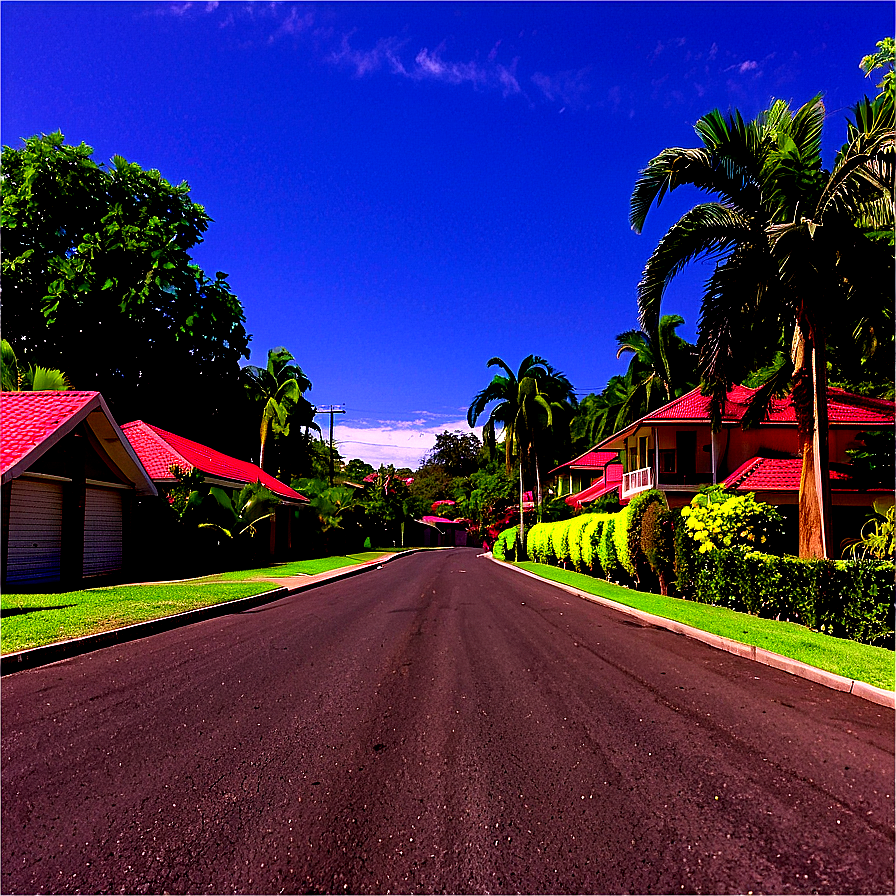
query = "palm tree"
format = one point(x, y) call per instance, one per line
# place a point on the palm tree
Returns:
point(526, 403)
point(15, 378)
point(663, 367)
point(279, 387)
point(792, 253)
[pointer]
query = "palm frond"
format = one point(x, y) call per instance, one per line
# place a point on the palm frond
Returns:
point(710, 230)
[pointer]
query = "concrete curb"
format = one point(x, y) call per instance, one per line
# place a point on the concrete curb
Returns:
point(61, 650)
point(756, 654)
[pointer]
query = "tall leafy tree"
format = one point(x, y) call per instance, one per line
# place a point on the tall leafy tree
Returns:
point(97, 280)
point(277, 389)
point(795, 258)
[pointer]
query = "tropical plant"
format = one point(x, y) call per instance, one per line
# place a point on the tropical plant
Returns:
point(277, 389)
point(663, 367)
point(717, 519)
point(33, 378)
point(231, 515)
point(877, 540)
point(794, 252)
point(525, 405)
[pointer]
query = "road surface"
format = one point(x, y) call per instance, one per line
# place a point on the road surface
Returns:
point(442, 724)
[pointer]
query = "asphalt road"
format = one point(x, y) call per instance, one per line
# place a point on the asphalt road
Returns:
point(441, 724)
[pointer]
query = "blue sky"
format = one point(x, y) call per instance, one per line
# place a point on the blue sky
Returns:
point(401, 191)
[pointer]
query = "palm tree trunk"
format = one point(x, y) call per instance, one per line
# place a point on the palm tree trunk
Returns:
point(810, 404)
point(522, 533)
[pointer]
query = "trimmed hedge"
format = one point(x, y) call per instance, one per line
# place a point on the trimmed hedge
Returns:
point(505, 544)
point(845, 598)
point(648, 544)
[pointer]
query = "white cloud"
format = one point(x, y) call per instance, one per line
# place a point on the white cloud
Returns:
point(401, 443)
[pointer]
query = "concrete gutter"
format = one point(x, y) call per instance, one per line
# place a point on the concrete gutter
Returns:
point(52, 653)
point(756, 654)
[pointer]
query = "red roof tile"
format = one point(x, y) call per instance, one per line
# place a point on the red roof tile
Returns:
point(843, 407)
point(32, 422)
point(776, 474)
point(160, 450)
point(28, 419)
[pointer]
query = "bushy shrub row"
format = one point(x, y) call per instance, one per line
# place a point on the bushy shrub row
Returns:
point(706, 552)
point(847, 598)
point(610, 545)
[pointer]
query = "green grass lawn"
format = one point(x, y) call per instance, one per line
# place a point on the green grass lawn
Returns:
point(299, 567)
point(873, 665)
point(32, 620)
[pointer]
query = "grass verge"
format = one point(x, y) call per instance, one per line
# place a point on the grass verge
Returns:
point(33, 620)
point(298, 568)
point(861, 662)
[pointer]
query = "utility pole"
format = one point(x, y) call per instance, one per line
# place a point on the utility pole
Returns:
point(331, 410)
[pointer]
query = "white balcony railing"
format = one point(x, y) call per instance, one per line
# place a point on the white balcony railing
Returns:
point(636, 481)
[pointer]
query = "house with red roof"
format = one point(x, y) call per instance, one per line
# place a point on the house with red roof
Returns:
point(587, 477)
point(70, 482)
point(674, 449)
point(161, 451)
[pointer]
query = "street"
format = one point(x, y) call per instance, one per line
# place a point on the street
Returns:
point(441, 724)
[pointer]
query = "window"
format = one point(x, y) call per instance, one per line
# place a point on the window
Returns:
point(667, 460)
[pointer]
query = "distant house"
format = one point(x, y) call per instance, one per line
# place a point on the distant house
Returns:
point(70, 480)
point(605, 485)
point(674, 450)
point(159, 451)
point(582, 472)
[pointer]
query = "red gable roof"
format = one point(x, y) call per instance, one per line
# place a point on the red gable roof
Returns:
point(32, 422)
point(589, 460)
point(160, 450)
point(777, 474)
point(28, 419)
point(843, 407)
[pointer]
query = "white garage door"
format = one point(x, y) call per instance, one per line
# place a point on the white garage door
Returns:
point(102, 531)
point(35, 532)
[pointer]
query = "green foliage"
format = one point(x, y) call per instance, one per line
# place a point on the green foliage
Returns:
point(505, 544)
point(188, 482)
point(539, 545)
point(591, 535)
point(356, 470)
point(277, 392)
point(718, 519)
point(560, 540)
point(606, 550)
point(884, 58)
point(457, 453)
point(878, 536)
point(637, 507)
point(657, 545)
point(844, 598)
point(33, 378)
point(621, 528)
point(97, 280)
point(492, 491)
point(576, 537)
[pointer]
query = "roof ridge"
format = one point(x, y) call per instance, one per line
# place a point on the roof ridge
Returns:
point(156, 434)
